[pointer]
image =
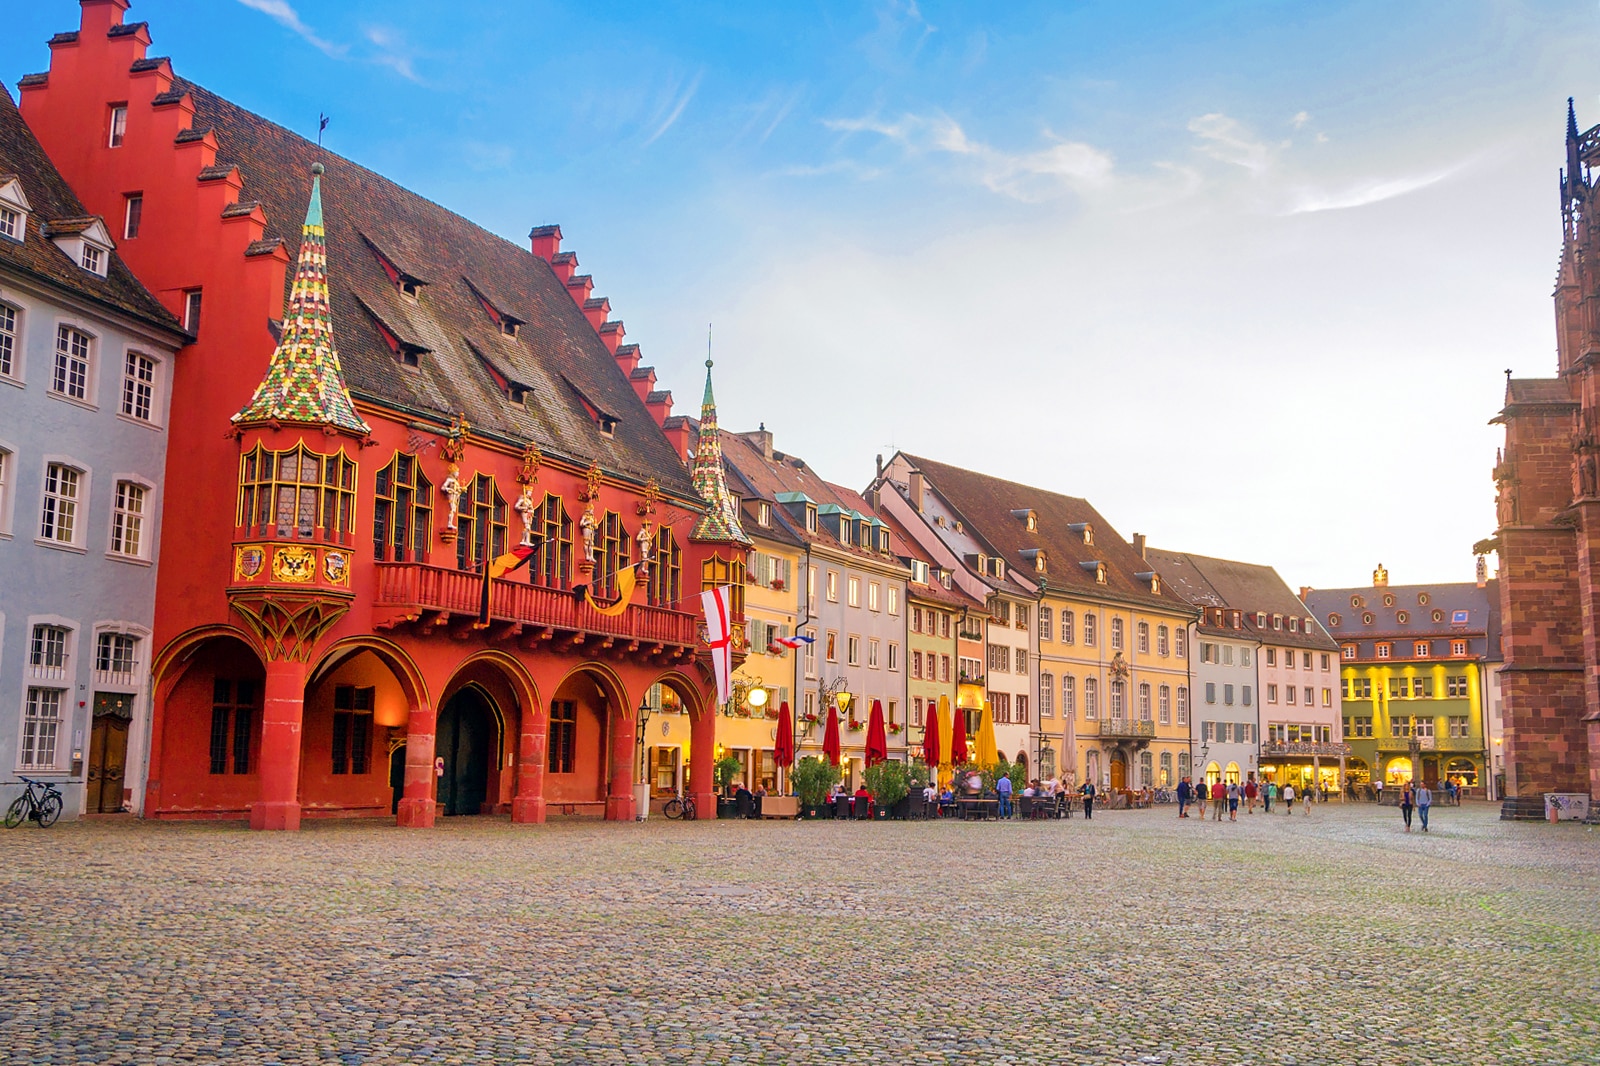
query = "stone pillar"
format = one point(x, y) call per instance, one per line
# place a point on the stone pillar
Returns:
point(702, 755)
point(417, 804)
point(528, 806)
point(283, 705)
point(620, 805)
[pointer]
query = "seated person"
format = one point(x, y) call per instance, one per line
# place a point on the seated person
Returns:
point(863, 801)
point(1030, 792)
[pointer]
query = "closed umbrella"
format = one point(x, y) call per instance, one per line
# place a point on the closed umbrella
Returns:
point(783, 747)
point(877, 741)
point(830, 737)
point(988, 752)
point(958, 738)
point(930, 737)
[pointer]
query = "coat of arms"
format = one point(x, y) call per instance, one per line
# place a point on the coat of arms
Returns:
point(336, 568)
point(294, 565)
point(248, 563)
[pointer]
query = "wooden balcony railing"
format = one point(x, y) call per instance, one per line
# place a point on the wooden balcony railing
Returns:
point(407, 591)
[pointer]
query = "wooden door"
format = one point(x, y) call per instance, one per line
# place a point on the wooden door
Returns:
point(1119, 772)
point(108, 751)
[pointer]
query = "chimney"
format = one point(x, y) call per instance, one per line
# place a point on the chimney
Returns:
point(627, 357)
point(1138, 544)
point(545, 241)
point(761, 438)
point(916, 486)
point(597, 310)
point(659, 404)
point(1380, 578)
point(579, 287)
point(879, 476)
point(643, 380)
point(611, 332)
point(1305, 590)
point(565, 264)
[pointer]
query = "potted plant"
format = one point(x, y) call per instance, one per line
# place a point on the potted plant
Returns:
point(889, 783)
point(811, 779)
point(723, 772)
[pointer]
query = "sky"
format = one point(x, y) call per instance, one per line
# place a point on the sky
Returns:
point(1246, 275)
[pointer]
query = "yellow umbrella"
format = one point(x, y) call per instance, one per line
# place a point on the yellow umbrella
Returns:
point(946, 726)
point(988, 754)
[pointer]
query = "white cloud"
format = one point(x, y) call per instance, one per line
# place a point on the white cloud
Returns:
point(283, 13)
point(1226, 139)
point(681, 102)
point(392, 52)
point(1033, 175)
point(1307, 201)
point(1300, 118)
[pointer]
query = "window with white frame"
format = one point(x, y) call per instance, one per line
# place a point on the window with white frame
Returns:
point(58, 519)
point(1116, 634)
point(132, 215)
point(1091, 698)
point(116, 659)
point(811, 653)
point(1067, 634)
point(894, 656)
point(1069, 696)
point(41, 728)
point(1183, 704)
point(1164, 704)
point(831, 647)
point(127, 520)
point(999, 658)
point(872, 653)
point(1180, 643)
point(139, 386)
point(853, 650)
point(118, 126)
point(1046, 619)
point(8, 341)
point(1118, 699)
point(1144, 701)
point(74, 350)
point(894, 600)
point(872, 595)
point(1244, 656)
point(1143, 632)
point(1089, 627)
point(833, 586)
point(11, 223)
point(49, 652)
point(1022, 660)
point(1047, 695)
point(92, 258)
point(1163, 641)
point(855, 592)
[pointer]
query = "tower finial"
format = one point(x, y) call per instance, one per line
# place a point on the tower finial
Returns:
point(720, 523)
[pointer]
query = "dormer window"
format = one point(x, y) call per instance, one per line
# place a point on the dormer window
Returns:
point(409, 287)
point(883, 541)
point(919, 572)
point(811, 518)
point(1084, 530)
point(1333, 620)
point(1294, 624)
point(84, 240)
point(509, 326)
point(944, 578)
point(517, 394)
point(1098, 569)
point(1153, 579)
point(1039, 564)
point(92, 259)
point(1030, 520)
point(608, 426)
point(1261, 619)
point(764, 513)
point(14, 209)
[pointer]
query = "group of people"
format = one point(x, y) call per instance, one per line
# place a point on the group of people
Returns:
point(1418, 798)
point(1049, 794)
point(1226, 797)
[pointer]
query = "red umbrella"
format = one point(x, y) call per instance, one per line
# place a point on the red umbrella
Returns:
point(877, 743)
point(958, 738)
point(930, 738)
point(783, 747)
point(830, 737)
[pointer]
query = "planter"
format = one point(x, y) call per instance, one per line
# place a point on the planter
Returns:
point(880, 814)
point(812, 813)
point(902, 809)
point(727, 808)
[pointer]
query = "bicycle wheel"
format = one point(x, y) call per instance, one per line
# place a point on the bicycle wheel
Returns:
point(689, 813)
point(49, 811)
point(673, 808)
point(16, 812)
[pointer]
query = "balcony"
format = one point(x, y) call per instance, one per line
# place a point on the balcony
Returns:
point(1126, 727)
point(1403, 744)
point(1304, 747)
point(435, 596)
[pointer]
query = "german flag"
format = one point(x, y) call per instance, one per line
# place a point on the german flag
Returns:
point(500, 566)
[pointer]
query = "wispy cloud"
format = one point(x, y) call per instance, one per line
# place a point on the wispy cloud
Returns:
point(281, 12)
point(393, 52)
point(1030, 176)
point(678, 104)
point(1229, 141)
point(1307, 201)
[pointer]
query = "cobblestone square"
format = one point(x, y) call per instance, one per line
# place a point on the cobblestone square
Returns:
point(1133, 938)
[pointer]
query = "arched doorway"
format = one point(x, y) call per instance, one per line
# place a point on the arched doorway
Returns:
point(1231, 775)
point(466, 745)
point(1213, 773)
point(1119, 771)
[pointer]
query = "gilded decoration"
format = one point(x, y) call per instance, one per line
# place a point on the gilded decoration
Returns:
point(289, 626)
point(294, 565)
point(248, 562)
point(336, 567)
point(527, 477)
point(451, 488)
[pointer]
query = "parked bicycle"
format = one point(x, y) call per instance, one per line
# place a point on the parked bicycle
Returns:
point(679, 807)
point(40, 802)
point(1164, 795)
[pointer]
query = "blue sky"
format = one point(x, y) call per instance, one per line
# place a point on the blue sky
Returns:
point(1246, 275)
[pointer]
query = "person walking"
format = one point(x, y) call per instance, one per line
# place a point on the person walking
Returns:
point(1087, 791)
point(1424, 802)
point(1002, 791)
point(1407, 800)
point(1306, 798)
point(1268, 794)
point(1233, 801)
point(1185, 794)
point(1219, 800)
point(1251, 793)
point(1288, 798)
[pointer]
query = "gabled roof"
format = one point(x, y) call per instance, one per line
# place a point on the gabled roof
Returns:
point(1481, 607)
point(53, 204)
point(989, 504)
point(906, 549)
point(556, 352)
point(1249, 588)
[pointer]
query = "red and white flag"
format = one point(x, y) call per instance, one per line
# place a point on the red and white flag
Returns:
point(718, 603)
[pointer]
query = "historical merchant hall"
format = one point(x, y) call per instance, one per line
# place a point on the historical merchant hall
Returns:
point(328, 638)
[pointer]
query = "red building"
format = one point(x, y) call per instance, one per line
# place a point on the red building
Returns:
point(323, 645)
point(1548, 482)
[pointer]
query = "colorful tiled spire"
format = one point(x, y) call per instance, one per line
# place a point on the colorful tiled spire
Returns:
point(720, 523)
point(304, 383)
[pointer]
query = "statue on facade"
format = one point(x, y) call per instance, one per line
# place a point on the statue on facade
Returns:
point(647, 545)
point(587, 526)
point(526, 509)
point(452, 488)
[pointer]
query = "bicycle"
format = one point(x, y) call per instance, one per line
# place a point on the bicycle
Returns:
point(40, 802)
point(1163, 795)
point(681, 807)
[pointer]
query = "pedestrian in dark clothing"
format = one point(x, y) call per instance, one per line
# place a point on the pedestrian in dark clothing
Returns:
point(1408, 799)
point(1088, 799)
point(1185, 794)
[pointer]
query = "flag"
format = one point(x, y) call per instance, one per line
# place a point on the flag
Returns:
point(719, 634)
point(515, 559)
point(627, 579)
point(793, 642)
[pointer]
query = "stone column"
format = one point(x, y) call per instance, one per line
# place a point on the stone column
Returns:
point(282, 708)
point(702, 755)
point(417, 804)
point(528, 806)
point(619, 789)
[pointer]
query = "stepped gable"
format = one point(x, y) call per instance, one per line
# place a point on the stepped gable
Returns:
point(471, 286)
point(986, 503)
point(52, 203)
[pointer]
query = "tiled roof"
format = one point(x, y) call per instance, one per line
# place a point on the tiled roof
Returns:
point(1538, 391)
point(1480, 604)
point(1245, 587)
point(556, 351)
point(906, 548)
point(986, 504)
point(57, 209)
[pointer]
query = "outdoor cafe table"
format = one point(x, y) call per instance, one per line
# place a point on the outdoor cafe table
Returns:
point(978, 808)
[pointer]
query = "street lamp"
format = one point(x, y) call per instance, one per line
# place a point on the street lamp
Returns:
point(757, 698)
point(641, 787)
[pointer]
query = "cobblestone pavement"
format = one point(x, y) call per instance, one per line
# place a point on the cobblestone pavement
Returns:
point(1134, 938)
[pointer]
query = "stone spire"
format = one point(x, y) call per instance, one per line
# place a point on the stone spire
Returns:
point(720, 523)
point(304, 383)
